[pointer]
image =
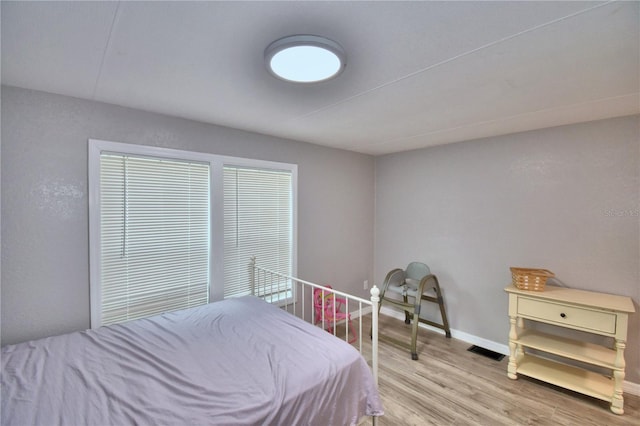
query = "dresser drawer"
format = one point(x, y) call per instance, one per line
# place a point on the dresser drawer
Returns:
point(570, 316)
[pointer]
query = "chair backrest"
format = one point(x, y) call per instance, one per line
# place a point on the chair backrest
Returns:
point(323, 300)
point(417, 271)
point(329, 311)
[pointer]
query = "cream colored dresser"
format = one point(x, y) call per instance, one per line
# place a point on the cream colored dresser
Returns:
point(596, 313)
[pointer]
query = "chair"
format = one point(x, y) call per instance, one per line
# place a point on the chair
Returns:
point(416, 282)
point(329, 311)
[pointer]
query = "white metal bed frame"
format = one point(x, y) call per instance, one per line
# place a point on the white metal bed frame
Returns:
point(298, 300)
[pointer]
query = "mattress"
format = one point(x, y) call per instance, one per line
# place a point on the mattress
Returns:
point(240, 361)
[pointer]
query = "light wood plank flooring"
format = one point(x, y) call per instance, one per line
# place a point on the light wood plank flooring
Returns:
point(449, 385)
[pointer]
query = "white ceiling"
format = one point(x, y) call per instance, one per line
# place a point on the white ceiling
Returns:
point(418, 73)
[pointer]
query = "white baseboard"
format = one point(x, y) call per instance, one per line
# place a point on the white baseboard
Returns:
point(358, 313)
point(631, 388)
point(628, 387)
point(457, 334)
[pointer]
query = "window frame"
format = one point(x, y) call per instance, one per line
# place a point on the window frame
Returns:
point(216, 211)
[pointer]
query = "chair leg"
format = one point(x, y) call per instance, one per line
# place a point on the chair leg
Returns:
point(447, 331)
point(414, 339)
point(443, 313)
point(353, 332)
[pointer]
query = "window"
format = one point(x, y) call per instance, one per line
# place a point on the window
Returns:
point(154, 236)
point(172, 229)
point(257, 222)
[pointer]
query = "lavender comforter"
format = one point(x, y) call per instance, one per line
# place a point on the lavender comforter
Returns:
point(235, 362)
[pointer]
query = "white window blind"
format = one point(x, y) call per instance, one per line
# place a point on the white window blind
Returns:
point(154, 236)
point(258, 221)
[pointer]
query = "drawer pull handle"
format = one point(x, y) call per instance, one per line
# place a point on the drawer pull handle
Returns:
point(563, 315)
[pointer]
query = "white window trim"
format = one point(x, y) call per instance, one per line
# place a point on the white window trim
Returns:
point(216, 167)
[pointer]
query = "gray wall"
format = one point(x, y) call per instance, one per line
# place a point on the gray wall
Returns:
point(564, 199)
point(45, 243)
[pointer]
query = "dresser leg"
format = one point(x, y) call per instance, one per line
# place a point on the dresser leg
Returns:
point(513, 349)
point(617, 405)
point(617, 401)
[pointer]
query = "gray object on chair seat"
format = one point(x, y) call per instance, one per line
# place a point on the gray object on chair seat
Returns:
point(418, 283)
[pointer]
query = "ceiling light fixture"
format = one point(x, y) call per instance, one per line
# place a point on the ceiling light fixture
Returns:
point(305, 58)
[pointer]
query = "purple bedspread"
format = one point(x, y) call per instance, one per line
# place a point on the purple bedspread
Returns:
point(235, 362)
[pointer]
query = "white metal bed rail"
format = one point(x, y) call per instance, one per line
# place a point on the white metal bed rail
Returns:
point(290, 293)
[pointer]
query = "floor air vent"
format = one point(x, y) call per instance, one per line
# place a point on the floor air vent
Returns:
point(486, 352)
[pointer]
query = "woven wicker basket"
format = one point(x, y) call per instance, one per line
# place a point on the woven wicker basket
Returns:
point(530, 279)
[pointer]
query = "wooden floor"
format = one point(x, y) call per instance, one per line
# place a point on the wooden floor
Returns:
point(449, 385)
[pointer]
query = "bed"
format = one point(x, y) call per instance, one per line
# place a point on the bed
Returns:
point(221, 363)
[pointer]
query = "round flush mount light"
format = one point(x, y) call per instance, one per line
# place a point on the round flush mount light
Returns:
point(305, 58)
